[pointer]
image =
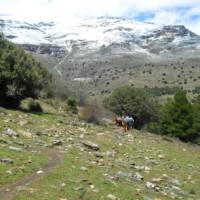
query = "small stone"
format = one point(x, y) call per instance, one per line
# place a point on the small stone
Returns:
point(99, 155)
point(57, 143)
point(25, 134)
point(175, 182)
point(23, 123)
point(91, 145)
point(84, 169)
point(112, 197)
point(138, 191)
point(156, 180)
point(63, 185)
point(9, 172)
point(7, 120)
point(150, 185)
point(7, 160)
point(161, 156)
point(40, 172)
point(138, 177)
point(15, 148)
point(165, 176)
point(10, 132)
point(92, 186)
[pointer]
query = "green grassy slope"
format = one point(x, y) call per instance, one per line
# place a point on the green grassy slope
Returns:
point(132, 165)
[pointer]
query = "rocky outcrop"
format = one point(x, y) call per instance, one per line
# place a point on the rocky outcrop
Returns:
point(52, 50)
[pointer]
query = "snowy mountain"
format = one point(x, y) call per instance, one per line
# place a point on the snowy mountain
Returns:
point(94, 56)
point(104, 35)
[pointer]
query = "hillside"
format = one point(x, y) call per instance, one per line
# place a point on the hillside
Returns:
point(54, 155)
point(99, 54)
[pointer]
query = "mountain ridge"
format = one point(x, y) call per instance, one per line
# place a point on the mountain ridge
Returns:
point(96, 34)
point(100, 54)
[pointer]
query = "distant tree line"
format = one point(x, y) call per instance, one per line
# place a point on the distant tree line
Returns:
point(156, 91)
point(20, 75)
point(178, 117)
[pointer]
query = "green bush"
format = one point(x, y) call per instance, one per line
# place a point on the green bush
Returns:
point(20, 75)
point(137, 103)
point(72, 105)
point(30, 105)
point(179, 118)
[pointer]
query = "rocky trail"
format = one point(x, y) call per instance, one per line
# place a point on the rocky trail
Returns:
point(8, 192)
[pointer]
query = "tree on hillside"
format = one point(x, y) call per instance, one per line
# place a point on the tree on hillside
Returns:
point(196, 119)
point(20, 75)
point(176, 117)
point(134, 102)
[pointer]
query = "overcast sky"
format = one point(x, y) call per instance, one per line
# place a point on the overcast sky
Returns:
point(186, 12)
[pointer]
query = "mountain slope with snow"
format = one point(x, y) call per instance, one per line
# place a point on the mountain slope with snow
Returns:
point(94, 56)
point(110, 35)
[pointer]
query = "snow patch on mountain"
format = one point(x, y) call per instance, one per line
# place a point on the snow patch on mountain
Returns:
point(115, 35)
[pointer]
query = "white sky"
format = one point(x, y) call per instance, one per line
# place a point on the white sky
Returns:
point(186, 12)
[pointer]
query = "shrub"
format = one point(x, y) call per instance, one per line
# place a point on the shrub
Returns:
point(137, 103)
point(30, 105)
point(196, 120)
point(20, 75)
point(179, 118)
point(176, 116)
point(72, 105)
point(91, 113)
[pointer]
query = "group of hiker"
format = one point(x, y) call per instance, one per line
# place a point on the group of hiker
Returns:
point(126, 122)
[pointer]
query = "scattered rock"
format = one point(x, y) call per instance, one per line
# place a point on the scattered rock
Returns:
point(138, 177)
point(9, 172)
point(8, 120)
point(23, 123)
point(15, 148)
point(150, 185)
point(10, 132)
point(175, 182)
point(138, 191)
point(99, 155)
point(25, 133)
point(57, 143)
point(124, 174)
point(161, 156)
point(91, 145)
point(7, 160)
point(84, 169)
point(4, 141)
point(112, 197)
point(156, 180)
point(40, 172)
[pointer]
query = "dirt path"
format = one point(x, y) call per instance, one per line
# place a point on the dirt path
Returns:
point(9, 192)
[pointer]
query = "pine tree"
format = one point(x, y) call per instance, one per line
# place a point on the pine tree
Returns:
point(176, 117)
